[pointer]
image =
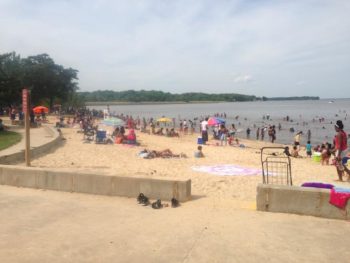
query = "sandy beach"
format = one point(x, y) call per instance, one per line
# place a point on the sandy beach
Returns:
point(120, 159)
point(219, 224)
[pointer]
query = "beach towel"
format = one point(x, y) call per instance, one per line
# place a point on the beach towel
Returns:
point(317, 185)
point(339, 198)
point(226, 170)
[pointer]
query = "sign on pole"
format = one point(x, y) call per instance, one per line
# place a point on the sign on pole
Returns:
point(25, 109)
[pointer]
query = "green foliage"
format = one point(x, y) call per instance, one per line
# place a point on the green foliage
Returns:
point(47, 81)
point(11, 75)
point(159, 96)
point(294, 98)
point(8, 138)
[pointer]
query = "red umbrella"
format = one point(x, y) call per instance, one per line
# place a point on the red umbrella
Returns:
point(40, 109)
point(215, 121)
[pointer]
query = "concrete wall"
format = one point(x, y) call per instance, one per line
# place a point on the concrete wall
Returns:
point(18, 157)
point(298, 200)
point(164, 189)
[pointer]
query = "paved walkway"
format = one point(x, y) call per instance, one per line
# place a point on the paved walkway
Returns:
point(49, 226)
point(38, 137)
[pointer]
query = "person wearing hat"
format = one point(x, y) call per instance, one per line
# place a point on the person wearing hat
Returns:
point(341, 149)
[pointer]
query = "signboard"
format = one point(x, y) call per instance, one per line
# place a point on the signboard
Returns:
point(24, 100)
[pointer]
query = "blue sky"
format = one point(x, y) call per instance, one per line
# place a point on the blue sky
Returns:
point(263, 48)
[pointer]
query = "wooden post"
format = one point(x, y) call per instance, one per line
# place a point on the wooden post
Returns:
point(26, 111)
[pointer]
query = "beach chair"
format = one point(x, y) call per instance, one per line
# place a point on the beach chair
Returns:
point(89, 135)
point(276, 166)
point(101, 137)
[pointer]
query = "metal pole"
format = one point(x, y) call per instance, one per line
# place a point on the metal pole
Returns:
point(27, 129)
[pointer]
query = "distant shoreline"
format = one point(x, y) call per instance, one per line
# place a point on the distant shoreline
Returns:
point(105, 103)
point(120, 103)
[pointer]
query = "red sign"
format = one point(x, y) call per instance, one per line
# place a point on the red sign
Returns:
point(24, 100)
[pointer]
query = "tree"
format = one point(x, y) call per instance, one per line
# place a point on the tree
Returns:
point(47, 80)
point(11, 76)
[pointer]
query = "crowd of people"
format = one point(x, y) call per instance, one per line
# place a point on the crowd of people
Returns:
point(334, 153)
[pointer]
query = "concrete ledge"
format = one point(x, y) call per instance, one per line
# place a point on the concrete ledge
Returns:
point(298, 200)
point(164, 189)
point(18, 157)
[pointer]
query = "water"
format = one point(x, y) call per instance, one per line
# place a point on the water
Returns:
point(304, 115)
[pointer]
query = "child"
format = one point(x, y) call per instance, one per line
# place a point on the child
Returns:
point(199, 153)
point(325, 153)
point(295, 152)
point(308, 149)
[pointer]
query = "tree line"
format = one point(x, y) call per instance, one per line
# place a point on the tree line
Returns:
point(48, 82)
point(160, 96)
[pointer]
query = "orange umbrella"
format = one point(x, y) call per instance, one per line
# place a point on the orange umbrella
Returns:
point(40, 109)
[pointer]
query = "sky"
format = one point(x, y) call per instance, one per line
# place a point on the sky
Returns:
point(256, 47)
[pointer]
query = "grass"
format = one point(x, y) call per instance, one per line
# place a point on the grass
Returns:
point(8, 138)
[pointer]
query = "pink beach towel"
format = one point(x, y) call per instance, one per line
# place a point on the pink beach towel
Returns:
point(339, 199)
point(226, 170)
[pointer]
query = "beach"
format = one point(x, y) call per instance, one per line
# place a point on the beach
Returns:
point(123, 160)
point(219, 224)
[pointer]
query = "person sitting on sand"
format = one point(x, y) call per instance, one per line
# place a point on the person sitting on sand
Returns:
point(199, 153)
point(131, 137)
point(159, 132)
point(115, 132)
point(173, 133)
point(286, 151)
point(119, 138)
point(295, 152)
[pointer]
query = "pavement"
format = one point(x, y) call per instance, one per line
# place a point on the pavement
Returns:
point(49, 226)
point(38, 137)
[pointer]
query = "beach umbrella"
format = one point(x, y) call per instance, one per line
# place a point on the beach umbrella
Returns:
point(40, 109)
point(164, 119)
point(215, 121)
point(113, 122)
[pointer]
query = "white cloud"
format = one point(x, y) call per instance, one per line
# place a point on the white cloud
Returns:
point(184, 45)
point(242, 78)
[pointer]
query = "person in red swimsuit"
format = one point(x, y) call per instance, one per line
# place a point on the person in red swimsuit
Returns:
point(341, 149)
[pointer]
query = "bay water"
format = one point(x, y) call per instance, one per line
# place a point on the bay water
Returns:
point(318, 116)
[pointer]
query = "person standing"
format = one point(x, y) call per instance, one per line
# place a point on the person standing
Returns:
point(297, 139)
point(257, 133)
point(308, 135)
point(262, 133)
point(204, 129)
point(273, 133)
point(248, 133)
point(308, 149)
point(223, 134)
point(341, 149)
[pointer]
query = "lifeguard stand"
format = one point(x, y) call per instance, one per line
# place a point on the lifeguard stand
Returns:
point(276, 166)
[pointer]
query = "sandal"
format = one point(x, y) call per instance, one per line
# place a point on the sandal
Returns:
point(174, 202)
point(142, 199)
point(157, 204)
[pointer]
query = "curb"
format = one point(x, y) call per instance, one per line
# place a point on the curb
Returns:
point(35, 152)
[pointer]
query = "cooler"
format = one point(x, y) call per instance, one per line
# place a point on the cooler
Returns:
point(199, 140)
point(316, 157)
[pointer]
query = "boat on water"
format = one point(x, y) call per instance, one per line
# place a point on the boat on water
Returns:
point(331, 101)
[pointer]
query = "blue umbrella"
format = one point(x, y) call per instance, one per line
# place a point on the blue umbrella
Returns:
point(113, 122)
